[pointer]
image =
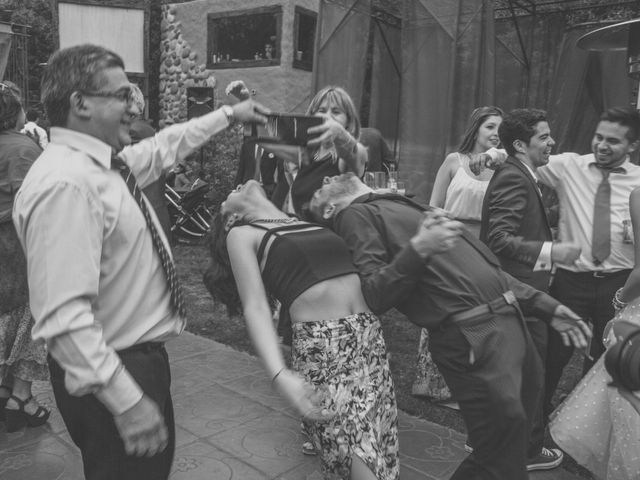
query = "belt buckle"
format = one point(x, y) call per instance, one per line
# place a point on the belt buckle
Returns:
point(509, 297)
point(598, 274)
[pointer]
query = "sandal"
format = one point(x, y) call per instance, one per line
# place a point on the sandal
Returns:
point(16, 419)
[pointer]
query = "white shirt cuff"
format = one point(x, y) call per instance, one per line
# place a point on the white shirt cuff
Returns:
point(121, 393)
point(544, 259)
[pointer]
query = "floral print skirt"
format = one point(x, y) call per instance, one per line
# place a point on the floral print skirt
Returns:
point(347, 359)
point(20, 355)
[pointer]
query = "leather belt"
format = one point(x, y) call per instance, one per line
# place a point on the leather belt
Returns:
point(497, 305)
point(146, 347)
point(595, 273)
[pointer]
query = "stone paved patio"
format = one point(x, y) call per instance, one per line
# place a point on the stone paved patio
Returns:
point(230, 426)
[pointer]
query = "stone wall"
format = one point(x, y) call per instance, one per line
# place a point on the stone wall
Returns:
point(184, 53)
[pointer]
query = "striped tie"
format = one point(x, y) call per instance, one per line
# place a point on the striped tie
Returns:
point(167, 263)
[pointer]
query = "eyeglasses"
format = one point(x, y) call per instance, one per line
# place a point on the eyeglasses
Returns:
point(124, 94)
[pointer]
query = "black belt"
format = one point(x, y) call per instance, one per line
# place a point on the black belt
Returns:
point(595, 273)
point(497, 305)
point(146, 347)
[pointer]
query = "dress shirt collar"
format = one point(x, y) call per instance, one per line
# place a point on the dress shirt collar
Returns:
point(622, 168)
point(530, 170)
point(91, 146)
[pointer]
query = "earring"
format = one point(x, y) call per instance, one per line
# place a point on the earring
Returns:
point(231, 221)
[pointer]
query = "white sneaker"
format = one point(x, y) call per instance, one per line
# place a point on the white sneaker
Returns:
point(549, 458)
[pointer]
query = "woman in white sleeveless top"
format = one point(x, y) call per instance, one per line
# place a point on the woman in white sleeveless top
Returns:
point(459, 192)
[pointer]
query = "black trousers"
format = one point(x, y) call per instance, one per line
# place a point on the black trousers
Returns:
point(93, 430)
point(538, 330)
point(590, 297)
point(495, 402)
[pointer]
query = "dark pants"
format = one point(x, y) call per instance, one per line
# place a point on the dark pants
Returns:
point(538, 330)
point(93, 430)
point(590, 297)
point(495, 402)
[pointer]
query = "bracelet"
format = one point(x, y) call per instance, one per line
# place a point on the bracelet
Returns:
point(616, 302)
point(277, 373)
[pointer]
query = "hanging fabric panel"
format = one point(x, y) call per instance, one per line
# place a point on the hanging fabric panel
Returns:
point(385, 79)
point(583, 86)
point(447, 72)
point(343, 28)
point(524, 71)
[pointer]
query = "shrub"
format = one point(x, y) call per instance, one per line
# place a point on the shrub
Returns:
point(216, 163)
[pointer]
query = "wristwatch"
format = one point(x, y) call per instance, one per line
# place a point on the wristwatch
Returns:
point(228, 112)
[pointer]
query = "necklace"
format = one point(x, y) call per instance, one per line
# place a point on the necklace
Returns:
point(274, 220)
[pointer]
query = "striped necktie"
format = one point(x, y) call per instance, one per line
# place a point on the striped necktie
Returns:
point(177, 299)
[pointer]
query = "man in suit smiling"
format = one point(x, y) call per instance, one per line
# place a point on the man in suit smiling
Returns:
point(515, 227)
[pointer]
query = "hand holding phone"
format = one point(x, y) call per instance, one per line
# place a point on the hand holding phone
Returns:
point(288, 129)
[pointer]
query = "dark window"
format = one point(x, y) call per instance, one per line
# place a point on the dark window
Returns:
point(250, 38)
point(304, 37)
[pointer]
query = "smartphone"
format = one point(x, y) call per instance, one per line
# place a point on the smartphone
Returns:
point(288, 129)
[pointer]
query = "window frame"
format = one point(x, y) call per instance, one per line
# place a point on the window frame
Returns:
point(276, 10)
point(298, 12)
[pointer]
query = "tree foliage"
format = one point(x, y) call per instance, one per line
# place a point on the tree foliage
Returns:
point(38, 15)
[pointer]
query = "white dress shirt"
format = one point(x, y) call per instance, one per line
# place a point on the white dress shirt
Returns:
point(543, 263)
point(96, 281)
point(576, 179)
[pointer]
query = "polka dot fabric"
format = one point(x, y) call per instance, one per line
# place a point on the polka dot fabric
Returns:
point(596, 426)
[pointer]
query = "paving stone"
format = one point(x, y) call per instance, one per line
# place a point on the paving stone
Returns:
point(230, 425)
point(202, 461)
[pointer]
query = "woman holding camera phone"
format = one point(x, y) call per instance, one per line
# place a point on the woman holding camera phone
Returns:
point(333, 149)
point(342, 385)
point(599, 422)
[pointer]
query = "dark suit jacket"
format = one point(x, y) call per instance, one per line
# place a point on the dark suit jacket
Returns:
point(514, 223)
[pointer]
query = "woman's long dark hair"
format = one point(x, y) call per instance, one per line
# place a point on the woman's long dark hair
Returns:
point(476, 119)
point(218, 278)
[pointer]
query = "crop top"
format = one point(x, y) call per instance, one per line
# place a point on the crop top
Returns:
point(300, 258)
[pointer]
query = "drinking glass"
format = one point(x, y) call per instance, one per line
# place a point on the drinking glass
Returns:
point(370, 180)
point(380, 180)
point(392, 181)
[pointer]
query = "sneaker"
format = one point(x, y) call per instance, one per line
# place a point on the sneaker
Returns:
point(467, 448)
point(549, 458)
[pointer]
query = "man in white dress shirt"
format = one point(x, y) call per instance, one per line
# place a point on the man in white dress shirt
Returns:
point(588, 285)
point(102, 296)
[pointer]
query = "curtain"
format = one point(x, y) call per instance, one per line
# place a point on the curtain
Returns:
point(341, 46)
point(584, 85)
point(384, 108)
point(447, 71)
point(550, 72)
